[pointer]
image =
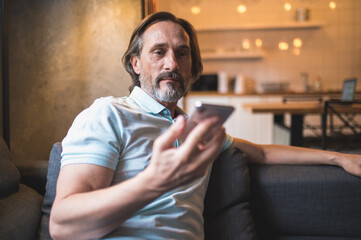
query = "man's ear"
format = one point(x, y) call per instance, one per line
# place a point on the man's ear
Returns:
point(135, 61)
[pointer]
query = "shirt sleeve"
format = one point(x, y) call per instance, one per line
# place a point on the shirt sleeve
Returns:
point(94, 137)
point(228, 140)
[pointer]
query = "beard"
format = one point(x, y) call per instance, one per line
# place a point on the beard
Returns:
point(172, 93)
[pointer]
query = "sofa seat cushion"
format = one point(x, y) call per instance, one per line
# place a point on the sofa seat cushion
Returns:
point(227, 213)
point(20, 214)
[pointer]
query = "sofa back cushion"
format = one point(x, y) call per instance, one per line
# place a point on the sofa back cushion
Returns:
point(50, 189)
point(227, 213)
point(9, 174)
point(308, 201)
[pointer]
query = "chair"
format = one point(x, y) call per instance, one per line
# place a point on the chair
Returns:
point(348, 127)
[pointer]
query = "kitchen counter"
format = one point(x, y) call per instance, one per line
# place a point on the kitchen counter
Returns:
point(259, 128)
point(286, 94)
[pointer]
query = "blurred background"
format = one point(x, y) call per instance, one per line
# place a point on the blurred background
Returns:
point(281, 40)
point(63, 54)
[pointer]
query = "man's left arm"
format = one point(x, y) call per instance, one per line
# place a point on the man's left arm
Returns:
point(280, 154)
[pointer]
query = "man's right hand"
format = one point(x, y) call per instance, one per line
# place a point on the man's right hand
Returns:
point(173, 167)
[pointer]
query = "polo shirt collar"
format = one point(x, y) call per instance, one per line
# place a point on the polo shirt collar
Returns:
point(149, 104)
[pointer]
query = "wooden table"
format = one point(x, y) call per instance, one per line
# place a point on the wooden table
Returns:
point(298, 110)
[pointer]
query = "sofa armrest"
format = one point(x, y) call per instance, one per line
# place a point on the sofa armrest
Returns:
point(33, 174)
point(294, 200)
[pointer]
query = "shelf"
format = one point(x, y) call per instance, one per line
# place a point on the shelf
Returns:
point(232, 55)
point(263, 26)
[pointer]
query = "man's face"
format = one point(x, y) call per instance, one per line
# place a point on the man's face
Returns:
point(164, 66)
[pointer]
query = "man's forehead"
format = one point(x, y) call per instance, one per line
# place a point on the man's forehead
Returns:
point(165, 31)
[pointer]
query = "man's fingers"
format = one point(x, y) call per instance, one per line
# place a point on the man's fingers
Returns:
point(212, 148)
point(207, 153)
point(198, 134)
point(167, 139)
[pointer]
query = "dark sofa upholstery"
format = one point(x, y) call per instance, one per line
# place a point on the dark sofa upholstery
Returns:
point(20, 205)
point(285, 202)
point(255, 201)
point(305, 202)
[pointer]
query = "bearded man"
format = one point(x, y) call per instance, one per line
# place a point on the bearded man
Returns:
point(125, 175)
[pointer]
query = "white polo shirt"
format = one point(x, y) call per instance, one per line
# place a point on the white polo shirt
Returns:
point(118, 133)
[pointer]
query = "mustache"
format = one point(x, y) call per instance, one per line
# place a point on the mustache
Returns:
point(169, 74)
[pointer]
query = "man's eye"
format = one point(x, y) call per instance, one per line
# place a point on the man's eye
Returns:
point(183, 53)
point(158, 52)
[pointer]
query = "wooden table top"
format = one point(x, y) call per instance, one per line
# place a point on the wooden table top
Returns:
point(298, 107)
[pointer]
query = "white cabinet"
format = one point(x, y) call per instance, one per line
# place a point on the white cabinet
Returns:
point(257, 128)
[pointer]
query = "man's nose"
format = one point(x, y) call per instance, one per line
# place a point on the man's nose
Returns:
point(171, 62)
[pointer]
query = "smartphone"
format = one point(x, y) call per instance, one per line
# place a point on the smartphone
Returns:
point(203, 111)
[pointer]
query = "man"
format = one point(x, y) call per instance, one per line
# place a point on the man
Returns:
point(124, 175)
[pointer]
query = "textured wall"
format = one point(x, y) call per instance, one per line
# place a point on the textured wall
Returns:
point(63, 55)
point(1, 98)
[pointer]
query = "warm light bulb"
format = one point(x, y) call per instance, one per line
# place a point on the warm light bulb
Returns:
point(195, 10)
point(283, 46)
point(287, 6)
point(297, 42)
point(332, 5)
point(241, 8)
point(246, 44)
point(258, 42)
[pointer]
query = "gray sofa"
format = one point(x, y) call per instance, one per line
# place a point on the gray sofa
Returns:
point(242, 202)
point(20, 204)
